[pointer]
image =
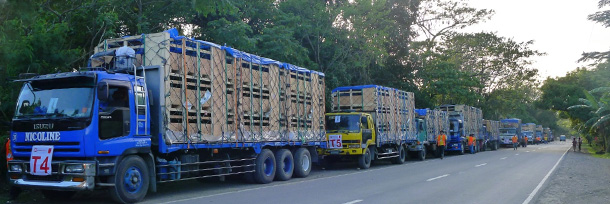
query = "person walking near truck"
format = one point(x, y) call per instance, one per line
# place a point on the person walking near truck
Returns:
point(441, 140)
point(471, 143)
point(574, 144)
point(515, 142)
point(525, 143)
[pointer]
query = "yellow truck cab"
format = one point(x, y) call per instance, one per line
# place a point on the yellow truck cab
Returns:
point(349, 133)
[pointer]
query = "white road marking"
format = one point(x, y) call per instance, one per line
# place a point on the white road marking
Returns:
point(503, 158)
point(353, 201)
point(483, 164)
point(516, 154)
point(432, 179)
point(531, 196)
point(527, 151)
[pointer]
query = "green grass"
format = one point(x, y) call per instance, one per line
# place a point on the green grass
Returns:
point(592, 151)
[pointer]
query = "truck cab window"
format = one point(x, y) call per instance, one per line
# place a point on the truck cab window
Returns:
point(115, 113)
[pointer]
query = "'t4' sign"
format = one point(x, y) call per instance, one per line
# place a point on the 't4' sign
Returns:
point(40, 160)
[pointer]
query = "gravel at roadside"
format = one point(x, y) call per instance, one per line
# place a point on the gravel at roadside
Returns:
point(579, 178)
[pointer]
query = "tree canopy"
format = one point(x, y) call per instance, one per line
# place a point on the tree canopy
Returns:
point(415, 46)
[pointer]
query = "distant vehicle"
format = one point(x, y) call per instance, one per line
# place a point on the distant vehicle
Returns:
point(562, 138)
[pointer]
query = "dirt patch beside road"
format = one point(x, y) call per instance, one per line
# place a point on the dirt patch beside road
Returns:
point(579, 178)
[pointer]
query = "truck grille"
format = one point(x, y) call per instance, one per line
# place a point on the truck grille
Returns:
point(26, 147)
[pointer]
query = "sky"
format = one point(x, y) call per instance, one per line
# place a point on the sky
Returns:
point(558, 28)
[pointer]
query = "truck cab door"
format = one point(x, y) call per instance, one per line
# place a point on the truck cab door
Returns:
point(367, 131)
point(116, 118)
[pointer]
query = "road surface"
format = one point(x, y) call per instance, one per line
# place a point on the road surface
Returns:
point(503, 176)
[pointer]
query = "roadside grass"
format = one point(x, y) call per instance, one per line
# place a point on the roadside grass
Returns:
point(592, 150)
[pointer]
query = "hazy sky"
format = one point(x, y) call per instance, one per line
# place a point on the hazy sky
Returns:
point(559, 28)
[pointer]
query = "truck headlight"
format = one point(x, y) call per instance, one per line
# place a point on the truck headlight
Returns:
point(353, 146)
point(74, 168)
point(15, 168)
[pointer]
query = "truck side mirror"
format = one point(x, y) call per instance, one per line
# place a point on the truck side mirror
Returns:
point(103, 91)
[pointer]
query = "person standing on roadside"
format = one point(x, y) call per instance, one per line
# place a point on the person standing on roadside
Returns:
point(441, 140)
point(471, 143)
point(574, 144)
point(579, 143)
point(515, 142)
point(525, 141)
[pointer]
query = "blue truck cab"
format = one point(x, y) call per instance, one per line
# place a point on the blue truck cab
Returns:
point(508, 129)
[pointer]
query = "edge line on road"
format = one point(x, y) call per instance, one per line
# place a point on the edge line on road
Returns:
point(531, 196)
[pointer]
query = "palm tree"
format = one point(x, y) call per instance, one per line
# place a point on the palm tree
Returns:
point(599, 121)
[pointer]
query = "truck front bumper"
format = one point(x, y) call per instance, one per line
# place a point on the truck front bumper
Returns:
point(342, 151)
point(58, 180)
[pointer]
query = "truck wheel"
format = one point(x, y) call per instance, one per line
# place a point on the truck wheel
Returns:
point(495, 145)
point(364, 160)
point(421, 155)
point(302, 160)
point(285, 165)
point(130, 181)
point(265, 167)
point(462, 149)
point(402, 154)
point(57, 195)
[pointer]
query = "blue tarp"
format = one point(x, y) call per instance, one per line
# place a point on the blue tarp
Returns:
point(510, 120)
point(173, 33)
point(345, 88)
point(421, 112)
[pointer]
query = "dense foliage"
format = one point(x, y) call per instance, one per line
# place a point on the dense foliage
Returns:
point(414, 45)
point(583, 95)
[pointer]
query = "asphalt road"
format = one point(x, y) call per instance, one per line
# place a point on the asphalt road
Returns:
point(503, 176)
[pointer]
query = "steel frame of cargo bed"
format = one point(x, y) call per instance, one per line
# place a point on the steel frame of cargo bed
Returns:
point(257, 146)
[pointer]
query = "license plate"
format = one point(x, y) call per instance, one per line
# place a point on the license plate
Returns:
point(41, 159)
point(335, 141)
point(334, 152)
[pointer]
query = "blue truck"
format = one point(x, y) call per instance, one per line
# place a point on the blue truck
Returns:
point(491, 133)
point(463, 121)
point(508, 129)
point(527, 130)
point(157, 108)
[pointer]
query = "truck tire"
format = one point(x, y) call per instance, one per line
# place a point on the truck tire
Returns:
point(402, 154)
point(364, 160)
point(285, 165)
point(302, 161)
point(265, 167)
point(57, 195)
point(496, 145)
point(421, 155)
point(462, 149)
point(130, 181)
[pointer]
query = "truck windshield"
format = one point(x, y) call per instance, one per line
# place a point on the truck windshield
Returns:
point(508, 131)
point(343, 123)
point(71, 98)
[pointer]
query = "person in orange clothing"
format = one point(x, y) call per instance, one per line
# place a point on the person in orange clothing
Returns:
point(525, 139)
point(515, 142)
point(471, 143)
point(441, 141)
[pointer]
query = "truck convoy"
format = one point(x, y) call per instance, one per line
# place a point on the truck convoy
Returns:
point(158, 108)
point(508, 129)
point(371, 122)
point(528, 130)
point(463, 121)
